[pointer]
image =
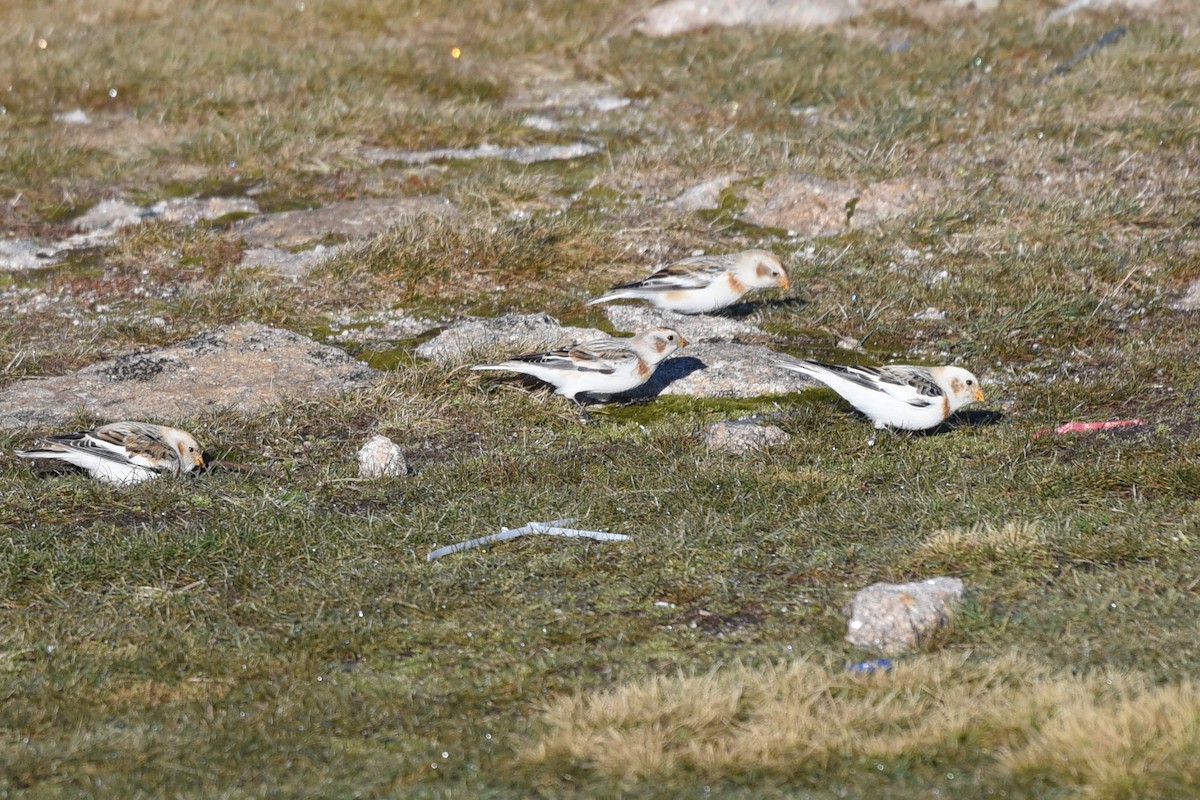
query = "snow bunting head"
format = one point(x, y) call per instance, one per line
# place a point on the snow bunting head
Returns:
point(960, 385)
point(704, 283)
point(123, 452)
point(601, 367)
point(759, 269)
point(896, 396)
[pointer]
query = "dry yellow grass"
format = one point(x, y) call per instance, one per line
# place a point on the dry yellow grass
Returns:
point(1105, 732)
point(1141, 745)
point(1013, 543)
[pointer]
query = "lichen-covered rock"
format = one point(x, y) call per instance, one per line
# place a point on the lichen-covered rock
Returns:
point(723, 369)
point(22, 254)
point(380, 457)
point(509, 335)
point(288, 263)
point(354, 219)
point(742, 436)
point(895, 618)
point(522, 155)
point(695, 328)
point(240, 367)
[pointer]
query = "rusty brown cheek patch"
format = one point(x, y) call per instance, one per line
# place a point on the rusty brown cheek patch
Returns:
point(956, 386)
point(763, 271)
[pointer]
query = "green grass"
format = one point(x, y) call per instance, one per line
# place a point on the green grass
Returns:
point(281, 632)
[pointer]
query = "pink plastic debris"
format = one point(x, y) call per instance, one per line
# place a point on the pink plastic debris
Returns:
point(1088, 427)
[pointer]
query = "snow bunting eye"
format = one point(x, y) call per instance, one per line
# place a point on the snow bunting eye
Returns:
point(970, 382)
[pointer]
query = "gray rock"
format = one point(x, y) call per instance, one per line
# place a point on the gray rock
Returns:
point(17, 255)
point(703, 196)
point(895, 618)
point(74, 117)
point(190, 210)
point(723, 370)
point(1188, 301)
point(352, 219)
point(682, 16)
point(695, 328)
point(742, 436)
point(240, 367)
point(808, 206)
point(380, 457)
point(285, 263)
point(110, 214)
point(559, 91)
point(501, 337)
point(522, 155)
point(382, 326)
point(542, 123)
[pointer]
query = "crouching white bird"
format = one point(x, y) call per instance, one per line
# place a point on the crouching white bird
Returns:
point(600, 367)
point(704, 283)
point(896, 396)
point(123, 453)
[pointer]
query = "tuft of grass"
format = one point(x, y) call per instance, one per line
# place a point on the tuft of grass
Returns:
point(1109, 731)
point(1138, 744)
point(1013, 545)
point(486, 267)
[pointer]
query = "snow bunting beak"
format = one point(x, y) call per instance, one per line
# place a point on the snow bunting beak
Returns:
point(785, 284)
point(978, 395)
point(682, 341)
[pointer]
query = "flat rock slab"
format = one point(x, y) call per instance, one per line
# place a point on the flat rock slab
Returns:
point(17, 255)
point(695, 328)
point(556, 90)
point(111, 215)
point(381, 326)
point(522, 155)
point(241, 367)
point(705, 195)
point(501, 337)
point(353, 219)
point(896, 617)
point(808, 206)
point(742, 436)
point(682, 16)
point(100, 224)
point(723, 370)
point(288, 263)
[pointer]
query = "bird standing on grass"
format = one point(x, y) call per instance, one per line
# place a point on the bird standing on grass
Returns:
point(601, 367)
point(896, 396)
point(703, 283)
point(123, 453)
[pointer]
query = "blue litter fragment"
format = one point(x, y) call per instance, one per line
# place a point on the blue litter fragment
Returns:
point(870, 667)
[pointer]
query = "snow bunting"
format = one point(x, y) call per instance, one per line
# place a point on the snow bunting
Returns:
point(123, 452)
point(601, 367)
point(896, 396)
point(704, 283)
